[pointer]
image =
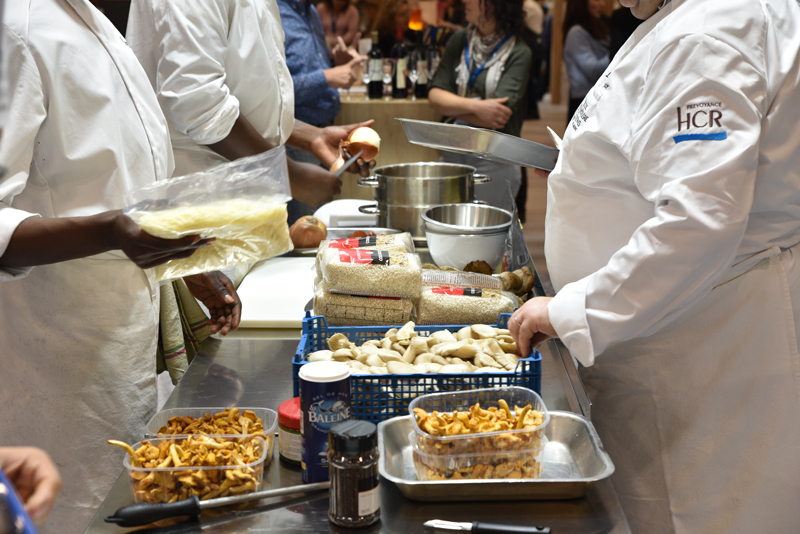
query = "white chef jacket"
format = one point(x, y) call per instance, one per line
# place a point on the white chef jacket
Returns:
point(78, 337)
point(208, 61)
point(683, 160)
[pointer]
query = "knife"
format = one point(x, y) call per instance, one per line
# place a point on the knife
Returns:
point(554, 136)
point(347, 164)
point(145, 513)
point(485, 528)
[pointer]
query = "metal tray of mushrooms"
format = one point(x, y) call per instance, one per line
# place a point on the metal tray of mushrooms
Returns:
point(486, 144)
point(574, 459)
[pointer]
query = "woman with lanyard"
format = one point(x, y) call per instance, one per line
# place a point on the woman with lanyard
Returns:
point(672, 240)
point(481, 81)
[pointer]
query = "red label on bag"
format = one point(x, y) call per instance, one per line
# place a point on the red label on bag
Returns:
point(457, 291)
point(359, 242)
point(366, 257)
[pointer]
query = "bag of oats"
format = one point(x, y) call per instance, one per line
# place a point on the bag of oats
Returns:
point(380, 273)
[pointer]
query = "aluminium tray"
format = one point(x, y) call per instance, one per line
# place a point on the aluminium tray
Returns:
point(486, 144)
point(574, 459)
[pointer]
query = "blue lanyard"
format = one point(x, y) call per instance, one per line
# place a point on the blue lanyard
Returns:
point(474, 75)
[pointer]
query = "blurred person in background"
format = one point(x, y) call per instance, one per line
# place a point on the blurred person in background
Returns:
point(586, 40)
point(339, 18)
point(452, 19)
point(394, 15)
point(79, 313)
point(34, 477)
point(219, 71)
point(481, 81)
point(621, 26)
point(368, 13)
point(532, 35)
point(315, 78)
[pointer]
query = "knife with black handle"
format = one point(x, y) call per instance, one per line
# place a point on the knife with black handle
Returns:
point(477, 527)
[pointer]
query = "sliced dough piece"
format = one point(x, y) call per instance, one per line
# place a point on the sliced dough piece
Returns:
point(320, 356)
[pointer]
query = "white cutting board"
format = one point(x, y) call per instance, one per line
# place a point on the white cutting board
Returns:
point(275, 293)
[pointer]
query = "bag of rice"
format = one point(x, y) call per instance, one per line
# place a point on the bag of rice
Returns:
point(392, 242)
point(371, 272)
point(359, 310)
point(463, 305)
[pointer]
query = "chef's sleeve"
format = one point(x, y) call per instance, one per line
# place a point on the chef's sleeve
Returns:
point(190, 81)
point(26, 112)
point(693, 146)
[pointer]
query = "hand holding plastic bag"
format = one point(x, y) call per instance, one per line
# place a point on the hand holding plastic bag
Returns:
point(240, 204)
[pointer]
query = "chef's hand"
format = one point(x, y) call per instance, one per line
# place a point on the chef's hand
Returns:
point(325, 146)
point(530, 325)
point(311, 184)
point(541, 173)
point(216, 292)
point(493, 112)
point(146, 250)
point(34, 476)
point(343, 54)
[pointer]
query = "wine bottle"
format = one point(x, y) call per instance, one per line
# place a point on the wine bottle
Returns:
point(423, 72)
point(375, 69)
point(400, 60)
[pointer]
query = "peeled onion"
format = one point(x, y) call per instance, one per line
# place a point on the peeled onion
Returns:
point(308, 232)
point(367, 140)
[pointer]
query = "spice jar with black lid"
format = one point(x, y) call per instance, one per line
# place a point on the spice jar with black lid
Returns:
point(353, 461)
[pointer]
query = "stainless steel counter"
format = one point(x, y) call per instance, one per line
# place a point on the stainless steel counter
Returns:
point(257, 372)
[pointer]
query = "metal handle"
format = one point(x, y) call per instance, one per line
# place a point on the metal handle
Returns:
point(369, 209)
point(481, 178)
point(370, 181)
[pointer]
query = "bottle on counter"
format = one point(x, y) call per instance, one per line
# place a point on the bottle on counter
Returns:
point(324, 401)
point(400, 60)
point(375, 69)
point(289, 438)
point(353, 460)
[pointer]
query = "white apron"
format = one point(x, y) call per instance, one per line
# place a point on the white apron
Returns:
point(78, 338)
point(702, 419)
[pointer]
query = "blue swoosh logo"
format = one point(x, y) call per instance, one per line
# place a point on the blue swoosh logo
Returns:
point(717, 136)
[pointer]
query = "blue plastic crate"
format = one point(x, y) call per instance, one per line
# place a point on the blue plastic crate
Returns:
point(379, 397)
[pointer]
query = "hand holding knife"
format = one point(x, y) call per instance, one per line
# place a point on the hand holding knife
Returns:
point(484, 528)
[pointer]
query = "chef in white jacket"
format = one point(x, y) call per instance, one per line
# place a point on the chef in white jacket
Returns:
point(219, 70)
point(672, 235)
point(78, 315)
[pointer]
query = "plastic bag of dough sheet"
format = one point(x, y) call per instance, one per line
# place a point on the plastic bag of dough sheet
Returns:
point(242, 204)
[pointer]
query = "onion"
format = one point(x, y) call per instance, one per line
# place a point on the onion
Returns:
point(366, 140)
point(307, 232)
point(337, 164)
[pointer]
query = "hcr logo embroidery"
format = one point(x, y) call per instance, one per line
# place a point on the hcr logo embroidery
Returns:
point(700, 118)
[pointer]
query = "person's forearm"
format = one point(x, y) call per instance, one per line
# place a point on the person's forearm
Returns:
point(449, 104)
point(473, 119)
point(41, 241)
point(242, 141)
point(302, 135)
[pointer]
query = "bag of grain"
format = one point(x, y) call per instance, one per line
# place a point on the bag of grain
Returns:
point(371, 272)
point(359, 310)
point(462, 305)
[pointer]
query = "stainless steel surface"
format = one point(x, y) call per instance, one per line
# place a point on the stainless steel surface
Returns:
point(574, 460)
point(427, 229)
point(348, 163)
point(257, 372)
point(264, 494)
point(460, 219)
point(486, 144)
point(403, 191)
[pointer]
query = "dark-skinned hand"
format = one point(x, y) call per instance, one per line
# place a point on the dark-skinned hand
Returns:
point(146, 250)
point(325, 147)
point(216, 292)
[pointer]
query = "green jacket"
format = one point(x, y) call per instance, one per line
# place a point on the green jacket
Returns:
point(513, 81)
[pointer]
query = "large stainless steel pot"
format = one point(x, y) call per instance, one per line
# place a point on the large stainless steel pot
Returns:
point(404, 191)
